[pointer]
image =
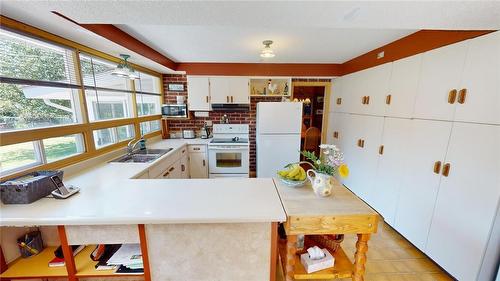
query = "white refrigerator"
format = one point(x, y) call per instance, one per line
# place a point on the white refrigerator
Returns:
point(278, 136)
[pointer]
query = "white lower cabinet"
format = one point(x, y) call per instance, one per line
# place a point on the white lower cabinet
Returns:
point(198, 161)
point(467, 201)
point(391, 167)
point(419, 188)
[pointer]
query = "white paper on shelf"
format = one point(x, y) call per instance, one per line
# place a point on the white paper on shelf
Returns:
point(128, 254)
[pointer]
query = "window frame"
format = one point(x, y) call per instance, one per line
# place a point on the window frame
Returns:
point(85, 127)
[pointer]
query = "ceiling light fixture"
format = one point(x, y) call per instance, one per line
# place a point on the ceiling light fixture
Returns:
point(124, 69)
point(267, 52)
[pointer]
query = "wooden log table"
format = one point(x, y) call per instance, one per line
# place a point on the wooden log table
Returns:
point(341, 213)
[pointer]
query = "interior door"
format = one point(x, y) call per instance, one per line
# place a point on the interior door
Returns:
point(403, 87)
point(428, 143)
point(219, 90)
point(481, 79)
point(391, 167)
point(467, 201)
point(239, 90)
point(441, 72)
point(198, 93)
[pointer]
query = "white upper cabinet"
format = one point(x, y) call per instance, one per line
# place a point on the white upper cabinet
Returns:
point(198, 93)
point(439, 83)
point(336, 99)
point(479, 99)
point(219, 90)
point(229, 90)
point(375, 86)
point(467, 201)
point(427, 146)
point(400, 99)
point(391, 167)
point(239, 91)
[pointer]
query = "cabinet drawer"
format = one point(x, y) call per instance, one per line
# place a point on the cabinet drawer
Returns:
point(157, 169)
point(197, 148)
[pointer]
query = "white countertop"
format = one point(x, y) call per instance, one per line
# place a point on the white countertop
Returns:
point(108, 196)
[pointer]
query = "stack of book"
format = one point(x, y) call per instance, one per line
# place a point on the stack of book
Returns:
point(126, 259)
point(58, 259)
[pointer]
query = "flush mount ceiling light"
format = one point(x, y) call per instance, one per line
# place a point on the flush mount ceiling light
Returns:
point(124, 69)
point(267, 52)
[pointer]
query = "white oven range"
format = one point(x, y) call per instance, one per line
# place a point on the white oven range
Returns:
point(228, 152)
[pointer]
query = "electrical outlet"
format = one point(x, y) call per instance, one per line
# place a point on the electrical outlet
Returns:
point(380, 55)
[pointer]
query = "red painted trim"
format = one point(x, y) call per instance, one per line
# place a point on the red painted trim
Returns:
point(260, 69)
point(415, 43)
point(122, 38)
point(68, 254)
point(144, 251)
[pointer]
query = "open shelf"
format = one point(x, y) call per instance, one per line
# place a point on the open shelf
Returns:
point(343, 268)
point(34, 267)
point(85, 267)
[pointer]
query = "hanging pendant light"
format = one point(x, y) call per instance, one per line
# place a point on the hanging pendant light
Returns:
point(267, 52)
point(124, 69)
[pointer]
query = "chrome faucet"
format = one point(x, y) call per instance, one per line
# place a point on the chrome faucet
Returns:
point(131, 145)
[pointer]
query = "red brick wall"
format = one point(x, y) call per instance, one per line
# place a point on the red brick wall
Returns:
point(195, 123)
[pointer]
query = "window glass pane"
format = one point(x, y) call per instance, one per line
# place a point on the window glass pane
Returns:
point(147, 83)
point(148, 105)
point(27, 58)
point(63, 147)
point(125, 132)
point(96, 72)
point(102, 105)
point(150, 126)
point(17, 155)
point(104, 137)
point(24, 107)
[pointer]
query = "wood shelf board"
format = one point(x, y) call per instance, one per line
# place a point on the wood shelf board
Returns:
point(34, 267)
point(343, 268)
point(85, 267)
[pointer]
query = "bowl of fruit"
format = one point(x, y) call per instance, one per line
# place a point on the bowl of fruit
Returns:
point(293, 175)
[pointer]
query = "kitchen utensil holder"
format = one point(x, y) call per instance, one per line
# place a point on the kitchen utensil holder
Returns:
point(33, 240)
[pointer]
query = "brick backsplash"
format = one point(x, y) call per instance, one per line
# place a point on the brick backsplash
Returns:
point(195, 123)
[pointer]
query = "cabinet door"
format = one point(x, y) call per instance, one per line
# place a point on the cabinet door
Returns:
point(428, 142)
point(352, 92)
point(239, 91)
point(336, 97)
point(198, 165)
point(219, 90)
point(198, 93)
point(391, 167)
point(375, 85)
point(184, 167)
point(467, 201)
point(335, 124)
point(363, 159)
point(441, 72)
point(403, 87)
point(481, 79)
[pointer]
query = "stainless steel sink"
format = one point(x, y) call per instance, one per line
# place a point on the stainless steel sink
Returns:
point(141, 156)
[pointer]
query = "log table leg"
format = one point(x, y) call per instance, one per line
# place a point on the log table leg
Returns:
point(291, 250)
point(360, 257)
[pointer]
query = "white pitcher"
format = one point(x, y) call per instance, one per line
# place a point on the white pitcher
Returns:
point(322, 184)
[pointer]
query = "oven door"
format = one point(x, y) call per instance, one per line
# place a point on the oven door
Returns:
point(228, 159)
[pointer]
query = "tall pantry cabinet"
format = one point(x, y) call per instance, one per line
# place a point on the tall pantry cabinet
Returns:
point(430, 160)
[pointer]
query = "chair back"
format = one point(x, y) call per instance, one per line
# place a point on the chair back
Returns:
point(312, 139)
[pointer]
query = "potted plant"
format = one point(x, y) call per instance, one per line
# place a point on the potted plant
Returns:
point(324, 168)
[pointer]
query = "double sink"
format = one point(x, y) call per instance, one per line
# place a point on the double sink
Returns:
point(141, 156)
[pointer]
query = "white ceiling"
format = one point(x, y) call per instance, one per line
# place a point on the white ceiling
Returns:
point(232, 31)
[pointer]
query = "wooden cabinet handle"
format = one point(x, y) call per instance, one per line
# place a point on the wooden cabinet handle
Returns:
point(183, 151)
point(461, 96)
point(361, 143)
point(363, 100)
point(437, 167)
point(388, 99)
point(336, 134)
point(339, 101)
point(171, 169)
point(203, 162)
point(446, 169)
point(232, 99)
point(381, 150)
point(166, 174)
point(183, 168)
point(206, 98)
point(196, 148)
point(367, 99)
point(452, 96)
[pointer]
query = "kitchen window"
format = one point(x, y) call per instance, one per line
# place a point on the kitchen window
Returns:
point(148, 94)
point(150, 126)
point(109, 136)
point(38, 84)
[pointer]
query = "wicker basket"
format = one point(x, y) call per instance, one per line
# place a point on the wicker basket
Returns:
point(331, 241)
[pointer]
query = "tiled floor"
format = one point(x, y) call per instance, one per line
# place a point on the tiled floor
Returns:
point(392, 258)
